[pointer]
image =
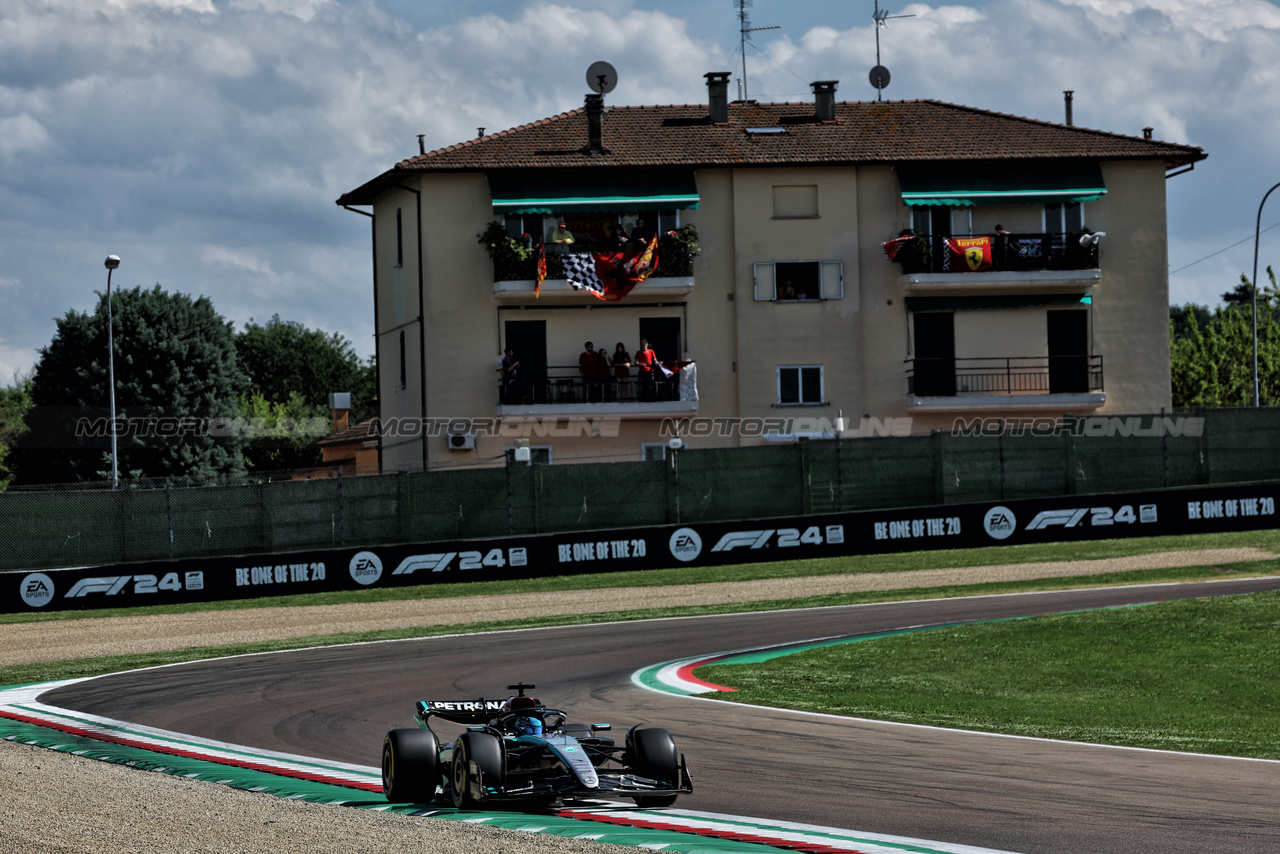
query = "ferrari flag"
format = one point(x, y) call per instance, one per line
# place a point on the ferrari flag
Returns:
point(968, 253)
point(611, 275)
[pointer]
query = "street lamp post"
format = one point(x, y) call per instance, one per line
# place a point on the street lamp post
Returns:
point(111, 263)
point(1257, 233)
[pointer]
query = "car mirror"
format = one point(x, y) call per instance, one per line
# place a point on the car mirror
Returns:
point(601, 727)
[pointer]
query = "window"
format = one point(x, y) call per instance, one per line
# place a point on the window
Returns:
point(539, 455)
point(399, 238)
point(941, 220)
point(1064, 219)
point(799, 385)
point(404, 375)
point(652, 451)
point(795, 202)
point(798, 281)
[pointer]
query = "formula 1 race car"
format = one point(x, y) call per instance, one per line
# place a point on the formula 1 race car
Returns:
point(520, 750)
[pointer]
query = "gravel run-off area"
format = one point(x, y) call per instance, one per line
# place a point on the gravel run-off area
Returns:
point(55, 802)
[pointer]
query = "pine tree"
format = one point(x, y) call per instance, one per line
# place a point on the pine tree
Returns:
point(176, 379)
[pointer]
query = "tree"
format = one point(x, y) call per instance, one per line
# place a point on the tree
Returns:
point(282, 435)
point(1212, 364)
point(283, 357)
point(15, 403)
point(176, 378)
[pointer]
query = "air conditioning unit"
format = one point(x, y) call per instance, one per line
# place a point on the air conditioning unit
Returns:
point(462, 441)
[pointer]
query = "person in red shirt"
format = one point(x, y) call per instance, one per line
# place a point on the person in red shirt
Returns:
point(589, 367)
point(646, 360)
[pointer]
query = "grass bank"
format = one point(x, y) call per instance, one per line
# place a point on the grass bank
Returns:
point(1194, 675)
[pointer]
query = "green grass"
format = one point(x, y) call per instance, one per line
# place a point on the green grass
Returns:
point(1194, 675)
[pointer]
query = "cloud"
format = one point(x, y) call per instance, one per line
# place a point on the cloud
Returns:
point(204, 141)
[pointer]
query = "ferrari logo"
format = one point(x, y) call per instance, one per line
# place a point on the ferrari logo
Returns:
point(974, 257)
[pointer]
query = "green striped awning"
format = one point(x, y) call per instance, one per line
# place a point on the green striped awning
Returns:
point(588, 192)
point(967, 185)
point(990, 302)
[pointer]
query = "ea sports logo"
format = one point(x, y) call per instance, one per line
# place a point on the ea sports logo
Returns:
point(366, 568)
point(999, 523)
point(685, 544)
point(37, 590)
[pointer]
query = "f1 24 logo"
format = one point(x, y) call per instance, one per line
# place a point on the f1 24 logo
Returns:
point(1098, 516)
point(787, 537)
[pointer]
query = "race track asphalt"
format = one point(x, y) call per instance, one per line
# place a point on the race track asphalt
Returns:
point(1034, 797)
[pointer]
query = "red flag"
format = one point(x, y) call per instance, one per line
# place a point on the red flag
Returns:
point(891, 247)
point(542, 269)
point(968, 253)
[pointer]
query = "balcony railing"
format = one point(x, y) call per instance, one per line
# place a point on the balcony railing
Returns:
point(940, 377)
point(564, 384)
point(1026, 251)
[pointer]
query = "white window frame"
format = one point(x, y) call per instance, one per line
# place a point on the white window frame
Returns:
point(764, 276)
point(1060, 227)
point(644, 450)
point(924, 223)
point(799, 369)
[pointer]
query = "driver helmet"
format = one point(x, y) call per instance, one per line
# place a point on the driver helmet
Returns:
point(528, 726)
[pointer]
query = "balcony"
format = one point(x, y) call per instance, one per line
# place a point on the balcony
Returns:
point(1019, 383)
point(1025, 259)
point(562, 390)
point(515, 267)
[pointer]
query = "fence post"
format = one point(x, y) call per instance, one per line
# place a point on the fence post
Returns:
point(168, 512)
point(1000, 446)
point(806, 502)
point(674, 470)
point(939, 466)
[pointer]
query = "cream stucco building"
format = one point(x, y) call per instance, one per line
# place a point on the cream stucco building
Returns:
point(791, 312)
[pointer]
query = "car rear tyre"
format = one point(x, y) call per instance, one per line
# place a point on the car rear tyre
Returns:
point(410, 765)
point(653, 754)
point(486, 752)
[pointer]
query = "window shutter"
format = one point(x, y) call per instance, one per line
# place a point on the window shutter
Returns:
point(833, 280)
point(765, 285)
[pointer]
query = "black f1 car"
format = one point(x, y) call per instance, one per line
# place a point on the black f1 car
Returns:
point(520, 750)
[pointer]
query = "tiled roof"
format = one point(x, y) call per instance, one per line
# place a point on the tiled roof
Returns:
point(355, 434)
point(863, 132)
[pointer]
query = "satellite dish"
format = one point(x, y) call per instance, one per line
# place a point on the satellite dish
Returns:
point(601, 77)
point(879, 77)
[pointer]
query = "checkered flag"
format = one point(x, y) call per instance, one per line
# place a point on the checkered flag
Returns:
point(580, 271)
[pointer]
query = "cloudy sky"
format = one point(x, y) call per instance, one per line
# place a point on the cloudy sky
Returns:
point(204, 141)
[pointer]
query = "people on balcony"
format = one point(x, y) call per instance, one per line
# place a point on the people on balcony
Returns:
point(593, 371)
point(646, 361)
point(561, 240)
point(621, 361)
point(510, 377)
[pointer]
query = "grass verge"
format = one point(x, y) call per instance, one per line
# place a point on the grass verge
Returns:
point(1193, 675)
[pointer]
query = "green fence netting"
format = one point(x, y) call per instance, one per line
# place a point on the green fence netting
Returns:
point(86, 526)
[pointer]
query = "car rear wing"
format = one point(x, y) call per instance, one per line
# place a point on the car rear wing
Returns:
point(465, 712)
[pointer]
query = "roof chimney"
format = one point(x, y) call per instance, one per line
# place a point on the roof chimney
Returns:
point(824, 100)
point(718, 96)
point(1067, 95)
point(595, 123)
point(1146, 132)
point(340, 404)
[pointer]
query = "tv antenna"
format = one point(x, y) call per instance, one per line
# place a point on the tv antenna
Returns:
point(744, 35)
point(880, 74)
